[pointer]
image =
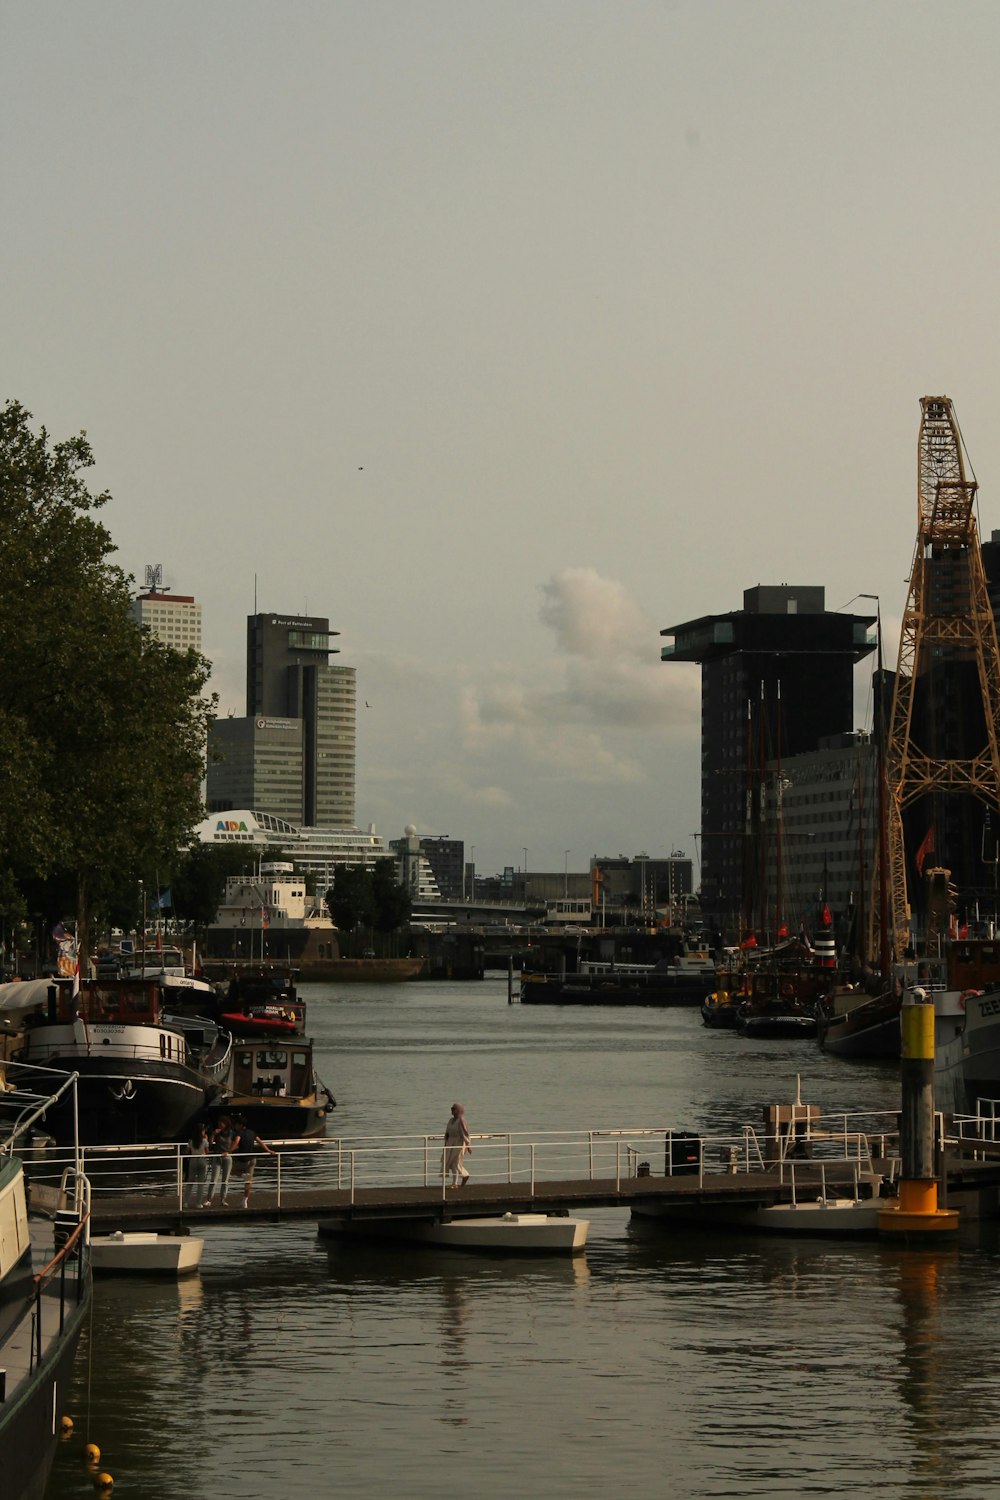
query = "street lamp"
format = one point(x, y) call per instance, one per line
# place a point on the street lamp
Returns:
point(565, 874)
point(473, 872)
point(525, 853)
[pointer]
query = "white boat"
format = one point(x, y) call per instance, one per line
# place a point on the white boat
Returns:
point(141, 1254)
point(511, 1233)
point(827, 1216)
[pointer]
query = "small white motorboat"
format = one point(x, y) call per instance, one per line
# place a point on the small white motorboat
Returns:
point(828, 1216)
point(507, 1234)
point(134, 1253)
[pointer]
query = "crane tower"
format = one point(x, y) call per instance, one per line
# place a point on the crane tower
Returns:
point(944, 728)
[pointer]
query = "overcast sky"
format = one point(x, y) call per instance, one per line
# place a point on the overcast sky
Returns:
point(505, 335)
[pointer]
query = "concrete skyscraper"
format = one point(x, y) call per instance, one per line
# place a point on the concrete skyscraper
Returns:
point(294, 753)
point(174, 619)
point(777, 678)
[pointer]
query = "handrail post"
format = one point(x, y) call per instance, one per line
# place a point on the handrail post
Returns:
point(279, 1179)
point(180, 1177)
point(532, 1169)
point(352, 1154)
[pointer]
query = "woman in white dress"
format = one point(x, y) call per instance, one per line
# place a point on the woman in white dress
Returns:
point(456, 1144)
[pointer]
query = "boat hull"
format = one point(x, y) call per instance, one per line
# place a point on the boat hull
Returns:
point(121, 1105)
point(507, 1234)
point(277, 1119)
point(831, 1218)
point(790, 1026)
point(40, 1321)
point(30, 1421)
point(136, 1254)
point(870, 1029)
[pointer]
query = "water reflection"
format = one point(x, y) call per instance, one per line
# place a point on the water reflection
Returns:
point(690, 1364)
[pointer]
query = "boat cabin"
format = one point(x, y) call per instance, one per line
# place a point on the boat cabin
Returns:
point(130, 1002)
point(271, 1070)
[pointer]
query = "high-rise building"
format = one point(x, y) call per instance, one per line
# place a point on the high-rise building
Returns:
point(777, 677)
point(174, 619)
point(446, 857)
point(296, 747)
point(257, 762)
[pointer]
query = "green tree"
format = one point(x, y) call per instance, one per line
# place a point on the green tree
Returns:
point(349, 900)
point(368, 899)
point(198, 882)
point(392, 901)
point(106, 725)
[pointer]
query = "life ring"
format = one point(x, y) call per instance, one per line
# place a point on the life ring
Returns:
point(967, 995)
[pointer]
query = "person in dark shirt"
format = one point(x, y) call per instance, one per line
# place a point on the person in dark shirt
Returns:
point(246, 1149)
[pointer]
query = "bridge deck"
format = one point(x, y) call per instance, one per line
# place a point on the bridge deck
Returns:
point(682, 1193)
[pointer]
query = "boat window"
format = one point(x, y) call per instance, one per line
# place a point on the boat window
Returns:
point(299, 1059)
point(244, 1059)
point(272, 1059)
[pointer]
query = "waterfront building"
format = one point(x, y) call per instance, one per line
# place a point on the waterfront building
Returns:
point(413, 869)
point(819, 840)
point(641, 886)
point(777, 678)
point(294, 753)
point(174, 619)
point(446, 857)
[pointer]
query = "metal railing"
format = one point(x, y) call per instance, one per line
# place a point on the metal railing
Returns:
point(611, 1155)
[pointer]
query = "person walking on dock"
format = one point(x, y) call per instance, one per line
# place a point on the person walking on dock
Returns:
point(246, 1148)
point(456, 1144)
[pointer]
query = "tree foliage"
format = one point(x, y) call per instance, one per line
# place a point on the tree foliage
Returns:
point(102, 727)
point(368, 898)
point(198, 882)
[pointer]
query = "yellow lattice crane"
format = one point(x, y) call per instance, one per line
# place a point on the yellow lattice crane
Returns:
point(948, 621)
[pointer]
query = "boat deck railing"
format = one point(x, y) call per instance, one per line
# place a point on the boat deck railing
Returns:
point(844, 1145)
point(62, 1283)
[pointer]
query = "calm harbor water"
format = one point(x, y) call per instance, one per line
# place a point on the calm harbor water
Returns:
point(689, 1366)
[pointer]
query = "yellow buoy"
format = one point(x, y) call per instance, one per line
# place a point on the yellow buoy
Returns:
point(92, 1453)
point(104, 1482)
point(66, 1425)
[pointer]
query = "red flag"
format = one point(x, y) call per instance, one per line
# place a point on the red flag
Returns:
point(750, 941)
point(927, 847)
